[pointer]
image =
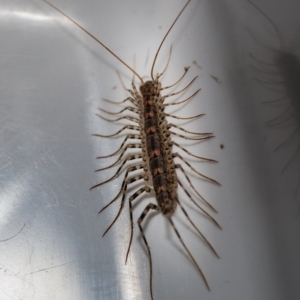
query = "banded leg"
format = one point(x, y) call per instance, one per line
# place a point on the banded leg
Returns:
point(170, 125)
point(189, 253)
point(198, 230)
point(191, 154)
point(204, 138)
point(206, 177)
point(123, 189)
point(180, 118)
point(178, 166)
point(143, 189)
point(128, 136)
point(180, 102)
point(170, 86)
point(127, 158)
point(133, 101)
point(130, 169)
point(131, 127)
point(130, 108)
point(200, 208)
point(135, 94)
point(140, 220)
point(132, 119)
point(176, 93)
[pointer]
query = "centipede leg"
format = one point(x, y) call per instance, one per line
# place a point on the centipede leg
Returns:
point(146, 189)
point(141, 218)
point(190, 254)
point(124, 189)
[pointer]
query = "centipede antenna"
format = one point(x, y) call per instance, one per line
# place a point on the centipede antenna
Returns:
point(154, 61)
point(97, 40)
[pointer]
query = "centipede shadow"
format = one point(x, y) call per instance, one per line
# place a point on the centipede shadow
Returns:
point(276, 69)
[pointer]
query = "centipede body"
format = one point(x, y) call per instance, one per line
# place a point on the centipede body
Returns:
point(158, 167)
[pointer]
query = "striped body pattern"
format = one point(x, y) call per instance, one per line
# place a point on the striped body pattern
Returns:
point(158, 165)
point(162, 170)
point(158, 169)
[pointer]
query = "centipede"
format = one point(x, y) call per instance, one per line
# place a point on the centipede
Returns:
point(282, 72)
point(154, 166)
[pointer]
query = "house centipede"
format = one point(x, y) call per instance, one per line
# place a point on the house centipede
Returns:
point(156, 152)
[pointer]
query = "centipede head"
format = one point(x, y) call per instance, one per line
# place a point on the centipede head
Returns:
point(150, 88)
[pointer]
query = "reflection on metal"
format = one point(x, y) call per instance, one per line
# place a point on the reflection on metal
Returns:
point(27, 16)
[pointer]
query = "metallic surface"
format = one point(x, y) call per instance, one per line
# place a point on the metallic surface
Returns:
point(52, 79)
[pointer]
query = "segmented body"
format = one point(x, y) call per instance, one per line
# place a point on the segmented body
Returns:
point(159, 149)
point(158, 166)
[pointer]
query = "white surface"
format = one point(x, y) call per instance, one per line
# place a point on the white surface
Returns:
point(52, 79)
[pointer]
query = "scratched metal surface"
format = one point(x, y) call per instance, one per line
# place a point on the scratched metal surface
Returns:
point(52, 79)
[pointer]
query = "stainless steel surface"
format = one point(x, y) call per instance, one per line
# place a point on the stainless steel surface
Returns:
point(52, 79)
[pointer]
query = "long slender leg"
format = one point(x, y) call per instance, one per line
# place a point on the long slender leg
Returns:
point(130, 108)
point(178, 166)
point(121, 80)
point(170, 125)
point(279, 118)
point(130, 169)
point(189, 253)
point(206, 177)
point(191, 154)
point(143, 189)
point(200, 208)
point(180, 102)
point(291, 159)
point(191, 138)
point(283, 82)
point(170, 86)
point(198, 230)
point(128, 136)
point(128, 146)
point(188, 118)
point(121, 118)
point(135, 94)
point(288, 140)
point(127, 158)
point(132, 100)
point(276, 100)
point(167, 64)
point(264, 71)
point(173, 94)
point(262, 62)
point(124, 189)
point(120, 192)
point(131, 127)
point(141, 218)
